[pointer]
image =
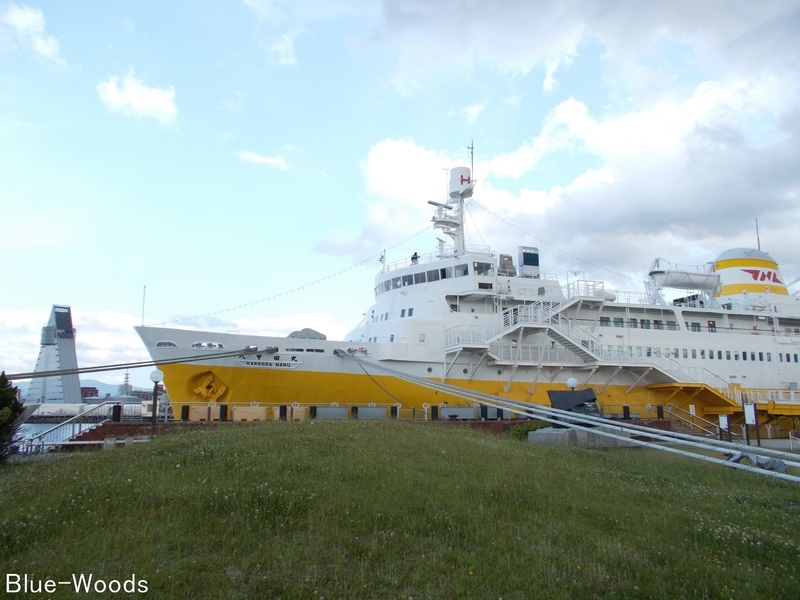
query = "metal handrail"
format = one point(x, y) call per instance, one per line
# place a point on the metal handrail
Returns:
point(669, 408)
point(70, 428)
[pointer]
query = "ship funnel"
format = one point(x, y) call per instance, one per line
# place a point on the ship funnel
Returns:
point(747, 271)
point(461, 183)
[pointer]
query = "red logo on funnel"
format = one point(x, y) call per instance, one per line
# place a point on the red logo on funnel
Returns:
point(759, 275)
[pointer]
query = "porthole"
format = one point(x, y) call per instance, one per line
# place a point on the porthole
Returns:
point(499, 371)
point(465, 371)
point(430, 370)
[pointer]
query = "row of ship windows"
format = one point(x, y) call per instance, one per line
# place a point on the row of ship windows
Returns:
point(302, 350)
point(712, 354)
point(385, 316)
point(478, 268)
point(219, 346)
point(670, 325)
point(654, 324)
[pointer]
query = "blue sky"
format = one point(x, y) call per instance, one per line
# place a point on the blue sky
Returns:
point(223, 152)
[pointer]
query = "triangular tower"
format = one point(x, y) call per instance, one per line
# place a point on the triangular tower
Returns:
point(57, 354)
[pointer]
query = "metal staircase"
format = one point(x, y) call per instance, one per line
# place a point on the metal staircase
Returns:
point(548, 317)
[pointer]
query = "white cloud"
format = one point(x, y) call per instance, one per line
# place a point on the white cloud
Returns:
point(234, 105)
point(400, 177)
point(683, 179)
point(471, 112)
point(23, 27)
point(135, 99)
point(715, 37)
point(282, 50)
point(258, 159)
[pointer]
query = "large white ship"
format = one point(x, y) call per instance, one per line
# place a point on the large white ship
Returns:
point(471, 318)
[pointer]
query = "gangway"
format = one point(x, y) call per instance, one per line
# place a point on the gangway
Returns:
point(660, 440)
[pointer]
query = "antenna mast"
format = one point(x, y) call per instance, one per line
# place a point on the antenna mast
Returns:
point(758, 238)
point(471, 149)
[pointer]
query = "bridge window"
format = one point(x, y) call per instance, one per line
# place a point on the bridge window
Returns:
point(446, 272)
point(419, 277)
point(408, 280)
point(395, 283)
point(484, 269)
point(461, 270)
point(433, 275)
point(540, 291)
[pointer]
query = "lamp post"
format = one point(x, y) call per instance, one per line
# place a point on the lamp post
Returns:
point(156, 377)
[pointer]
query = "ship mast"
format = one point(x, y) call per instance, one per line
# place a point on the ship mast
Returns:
point(449, 217)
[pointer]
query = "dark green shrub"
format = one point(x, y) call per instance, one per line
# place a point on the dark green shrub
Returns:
point(520, 431)
point(10, 411)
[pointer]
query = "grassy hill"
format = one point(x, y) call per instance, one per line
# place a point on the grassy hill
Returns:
point(398, 510)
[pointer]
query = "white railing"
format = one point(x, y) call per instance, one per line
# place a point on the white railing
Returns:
point(582, 288)
point(464, 334)
point(447, 252)
point(774, 395)
point(702, 375)
point(629, 297)
point(533, 354)
point(89, 419)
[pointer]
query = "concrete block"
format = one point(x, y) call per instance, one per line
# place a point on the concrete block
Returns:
point(249, 413)
point(298, 413)
point(593, 439)
point(332, 412)
point(371, 413)
point(552, 436)
point(465, 413)
point(201, 413)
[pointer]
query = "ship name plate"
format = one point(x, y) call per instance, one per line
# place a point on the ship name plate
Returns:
point(271, 361)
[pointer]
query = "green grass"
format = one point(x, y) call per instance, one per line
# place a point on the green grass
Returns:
point(398, 510)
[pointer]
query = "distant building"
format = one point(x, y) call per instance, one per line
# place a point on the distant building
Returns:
point(147, 394)
point(57, 353)
point(89, 392)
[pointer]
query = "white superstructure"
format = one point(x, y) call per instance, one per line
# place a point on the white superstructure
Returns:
point(467, 316)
